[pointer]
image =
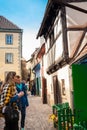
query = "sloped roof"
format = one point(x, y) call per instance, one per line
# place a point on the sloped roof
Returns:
point(6, 24)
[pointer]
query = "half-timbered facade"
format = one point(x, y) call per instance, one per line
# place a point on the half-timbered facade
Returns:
point(64, 28)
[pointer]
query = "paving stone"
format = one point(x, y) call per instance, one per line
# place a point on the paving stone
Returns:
point(37, 115)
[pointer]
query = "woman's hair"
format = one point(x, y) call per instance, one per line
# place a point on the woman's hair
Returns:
point(10, 76)
point(18, 77)
point(1, 86)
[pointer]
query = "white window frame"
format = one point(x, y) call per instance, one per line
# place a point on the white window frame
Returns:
point(8, 58)
point(9, 39)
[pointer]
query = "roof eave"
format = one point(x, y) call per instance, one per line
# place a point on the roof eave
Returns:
point(40, 32)
point(58, 3)
point(11, 30)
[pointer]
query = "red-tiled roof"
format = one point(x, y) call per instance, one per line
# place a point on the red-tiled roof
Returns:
point(6, 24)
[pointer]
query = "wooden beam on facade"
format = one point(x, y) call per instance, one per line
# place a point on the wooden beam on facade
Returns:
point(71, 6)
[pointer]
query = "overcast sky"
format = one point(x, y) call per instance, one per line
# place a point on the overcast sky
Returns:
point(28, 15)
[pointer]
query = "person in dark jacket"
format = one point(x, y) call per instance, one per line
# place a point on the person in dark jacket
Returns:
point(33, 91)
point(23, 101)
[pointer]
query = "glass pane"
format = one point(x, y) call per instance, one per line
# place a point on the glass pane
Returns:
point(9, 58)
point(9, 39)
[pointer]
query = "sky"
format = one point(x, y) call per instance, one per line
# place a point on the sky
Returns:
point(28, 15)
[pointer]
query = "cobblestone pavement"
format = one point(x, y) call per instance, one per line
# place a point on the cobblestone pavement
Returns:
point(37, 115)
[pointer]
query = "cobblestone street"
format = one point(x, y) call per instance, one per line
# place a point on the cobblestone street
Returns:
point(37, 117)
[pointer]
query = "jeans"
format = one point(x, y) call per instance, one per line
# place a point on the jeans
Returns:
point(23, 114)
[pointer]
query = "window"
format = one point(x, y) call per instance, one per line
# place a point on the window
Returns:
point(8, 58)
point(63, 87)
point(51, 37)
point(9, 39)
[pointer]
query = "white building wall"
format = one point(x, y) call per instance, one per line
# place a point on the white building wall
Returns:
point(43, 71)
point(63, 73)
point(76, 19)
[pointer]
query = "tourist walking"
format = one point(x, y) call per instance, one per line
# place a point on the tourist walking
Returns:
point(23, 101)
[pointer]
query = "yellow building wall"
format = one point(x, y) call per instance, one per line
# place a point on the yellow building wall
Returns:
point(15, 48)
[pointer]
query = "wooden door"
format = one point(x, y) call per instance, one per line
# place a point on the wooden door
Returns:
point(57, 92)
point(44, 90)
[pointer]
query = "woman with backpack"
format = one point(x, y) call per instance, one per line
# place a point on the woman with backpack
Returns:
point(8, 96)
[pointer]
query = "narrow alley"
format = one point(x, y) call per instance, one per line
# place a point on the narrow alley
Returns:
point(37, 117)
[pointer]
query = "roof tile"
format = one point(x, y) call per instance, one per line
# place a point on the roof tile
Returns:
point(6, 24)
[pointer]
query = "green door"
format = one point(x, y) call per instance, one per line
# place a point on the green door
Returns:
point(79, 75)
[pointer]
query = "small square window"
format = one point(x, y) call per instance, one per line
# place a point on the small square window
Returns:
point(8, 58)
point(9, 39)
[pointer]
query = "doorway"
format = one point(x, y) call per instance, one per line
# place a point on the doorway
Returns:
point(44, 90)
point(57, 91)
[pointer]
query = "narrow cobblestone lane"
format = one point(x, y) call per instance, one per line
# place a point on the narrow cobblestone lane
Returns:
point(37, 117)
